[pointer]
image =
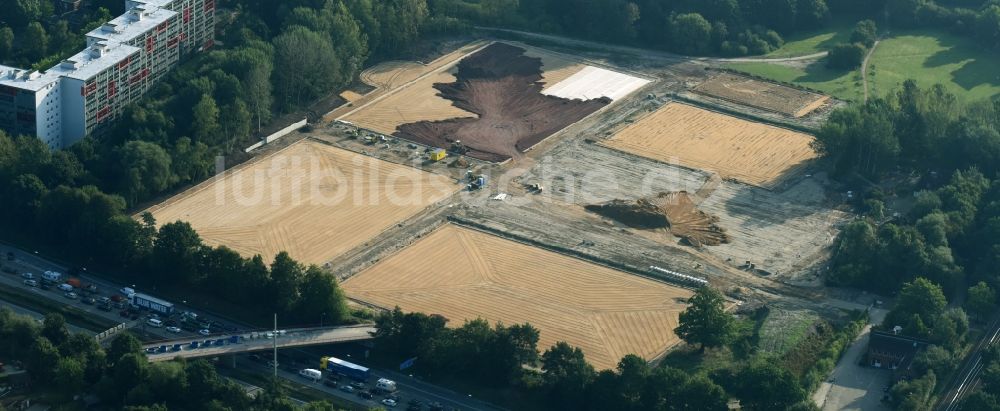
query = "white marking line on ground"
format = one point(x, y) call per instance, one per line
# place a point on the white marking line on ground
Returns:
point(594, 82)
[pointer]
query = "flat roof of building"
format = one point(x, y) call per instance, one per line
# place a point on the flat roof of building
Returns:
point(89, 64)
point(26, 79)
point(133, 23)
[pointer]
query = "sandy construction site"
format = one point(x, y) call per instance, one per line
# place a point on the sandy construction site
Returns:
point(463, 274)
point(753, 153)
point(310, 199)
point(761, 94)
point(498, 101)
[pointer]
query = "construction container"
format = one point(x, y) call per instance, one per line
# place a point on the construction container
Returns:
point(438, 155)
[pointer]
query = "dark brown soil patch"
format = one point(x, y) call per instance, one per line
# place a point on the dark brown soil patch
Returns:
point(673, 211)
point(503, 87)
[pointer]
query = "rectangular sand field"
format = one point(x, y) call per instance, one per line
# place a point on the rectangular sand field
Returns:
point(463, 274)
point(310, 199)
point(753, 153)
point(762, 94)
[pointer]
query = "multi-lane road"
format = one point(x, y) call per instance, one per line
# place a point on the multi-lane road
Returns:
point(30, 261)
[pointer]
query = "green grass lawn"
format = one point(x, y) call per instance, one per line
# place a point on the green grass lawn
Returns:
point(929, 57)
point(815, 41)
point(837, 83)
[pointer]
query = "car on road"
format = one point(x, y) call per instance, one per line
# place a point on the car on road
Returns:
point(28, 276)
point(366, 395)
point(173, 329)
point(31, 283)
point(415, 405)
point(346, 388)
point(358, 385)
point(204, 331)
point(389, 402)
point(88, 300)
point(65, 287)
point(330, 383)
point(394, 397)
point(71, 295)
point(44, 286)
point(104, 307)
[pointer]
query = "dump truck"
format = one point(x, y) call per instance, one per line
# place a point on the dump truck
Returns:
point(350, 370)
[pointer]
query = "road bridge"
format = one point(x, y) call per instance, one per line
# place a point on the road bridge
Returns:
point(236, 343)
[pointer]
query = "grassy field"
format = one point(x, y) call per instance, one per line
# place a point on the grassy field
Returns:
point(815, 41)
point(837, 83)
point(929, 57)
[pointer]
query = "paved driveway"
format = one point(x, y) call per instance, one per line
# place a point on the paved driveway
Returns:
point(853, 386)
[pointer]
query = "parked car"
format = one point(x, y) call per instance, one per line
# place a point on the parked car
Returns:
point(173, 329)
point(71, 295)
point(31, 283)
point(389, 402)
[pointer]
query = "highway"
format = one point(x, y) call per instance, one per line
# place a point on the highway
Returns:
point(967, 379)
point(409, 386)
point(258, 341)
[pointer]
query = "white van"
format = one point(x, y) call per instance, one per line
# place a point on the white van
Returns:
point(311, 374)
point(153, 322)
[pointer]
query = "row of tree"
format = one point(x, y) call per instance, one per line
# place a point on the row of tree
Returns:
point(67, 366)
point(508, 357)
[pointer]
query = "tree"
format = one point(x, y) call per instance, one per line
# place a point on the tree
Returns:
point(122, 344)
point(36, 41)
point(767, 386)
point(24, 12)
point(846, 56)
point(145, 170)
point(54, 329)
point(205, 125)
point(286, 277)
point(690, 33)
point(566, 374)
point(303, 76)
point(810, 14)
point(130, 371)
point(865, 32)
point(921, 299)
point(235, 124)
point(705, 320)
point(60, 35)
point(42, 359)
point(177, 253)
point(68, 375)
point(321, 299)
point(6, 42)
point(982, 300)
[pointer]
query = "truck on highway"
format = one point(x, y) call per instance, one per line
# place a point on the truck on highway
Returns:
point(152, 303)
point(347, 369)
point(51, 277)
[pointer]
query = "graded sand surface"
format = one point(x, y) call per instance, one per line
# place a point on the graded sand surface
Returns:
point(417, 102)
point(762, 94)
point(753, 153)
point(310, 199)
point(463, 274)
point(351, 95)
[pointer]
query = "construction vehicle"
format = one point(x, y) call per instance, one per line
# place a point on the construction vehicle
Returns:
point(438, 154)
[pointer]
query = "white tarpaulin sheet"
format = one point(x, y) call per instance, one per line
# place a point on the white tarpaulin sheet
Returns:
point(593, 82)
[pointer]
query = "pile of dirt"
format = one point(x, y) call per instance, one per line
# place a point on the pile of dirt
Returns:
point(503, 87)
point(639, 214)
point(674, 211)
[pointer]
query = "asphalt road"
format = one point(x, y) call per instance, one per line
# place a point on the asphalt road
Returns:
point(410, 388)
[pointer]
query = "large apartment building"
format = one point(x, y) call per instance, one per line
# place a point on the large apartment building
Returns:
point(124, 58)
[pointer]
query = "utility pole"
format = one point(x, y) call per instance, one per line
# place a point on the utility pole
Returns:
point(274, 344)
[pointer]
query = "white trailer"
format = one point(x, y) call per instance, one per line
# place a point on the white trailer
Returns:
point(152, 303)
